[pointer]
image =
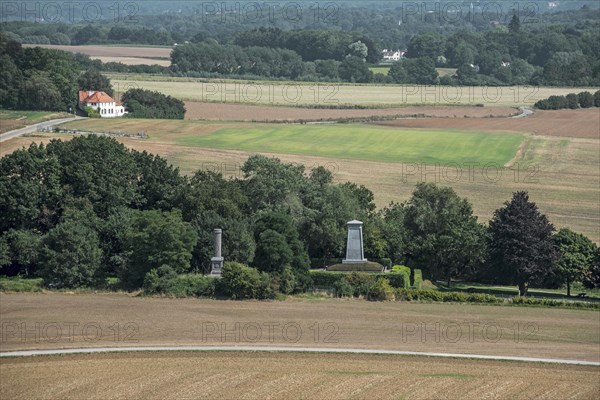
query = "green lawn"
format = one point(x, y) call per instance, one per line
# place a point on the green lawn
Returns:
point(25, 115)
point(380, 70)
point(366, 142)
point(11, 119)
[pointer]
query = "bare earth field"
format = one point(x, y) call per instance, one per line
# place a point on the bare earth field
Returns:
point(243, 112)
point(218, 375)
point(127, 55)
point(583, 123)
point(55, 320)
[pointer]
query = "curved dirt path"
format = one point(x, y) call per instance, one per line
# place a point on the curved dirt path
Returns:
point(26, 353)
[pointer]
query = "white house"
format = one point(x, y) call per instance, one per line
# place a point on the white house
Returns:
point(392, 55)
point(106, 105)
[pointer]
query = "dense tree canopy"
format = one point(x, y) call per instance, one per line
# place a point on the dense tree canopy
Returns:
point(77, 212)
point(521, 245)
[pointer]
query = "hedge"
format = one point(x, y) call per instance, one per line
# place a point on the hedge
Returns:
point(327, 279)
point(418, 279)
point(405, 272)
point(369, 266)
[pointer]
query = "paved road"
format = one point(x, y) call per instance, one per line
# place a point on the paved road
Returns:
point(32, 128)
point(24, 353)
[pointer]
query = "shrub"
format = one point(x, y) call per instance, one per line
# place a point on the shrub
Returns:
point(159, 280)
point(418, 279)
point(597, 99)
point(434, 295)
point(193, 285)
point(381, 290)
point(585, 99)
point(361, 282)
point(572, 101)
point(267, 287)
point(343, 288)
point(18, 284)
point(287, 280)
point(239, 281)
point(91, 112)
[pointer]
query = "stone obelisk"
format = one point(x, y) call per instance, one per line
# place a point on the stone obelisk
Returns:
point(354, 246)
point(216, 263)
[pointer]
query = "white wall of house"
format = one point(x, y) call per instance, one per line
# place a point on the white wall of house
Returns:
point(107, 110)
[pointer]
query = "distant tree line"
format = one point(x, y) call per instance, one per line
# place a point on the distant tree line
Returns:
point(556, 49)
point(77, 212)
point(572, 101)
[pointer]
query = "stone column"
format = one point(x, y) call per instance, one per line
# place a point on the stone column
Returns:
point(354, 246)
point(217, 261)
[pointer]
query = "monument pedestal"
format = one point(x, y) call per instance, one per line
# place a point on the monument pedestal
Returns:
point(354, 245)
point(216, 265)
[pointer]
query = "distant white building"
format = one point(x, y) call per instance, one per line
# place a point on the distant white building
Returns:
point(106, 105)
point(393, 55)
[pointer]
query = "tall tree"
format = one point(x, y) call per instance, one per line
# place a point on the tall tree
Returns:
point(444, 235)
point(70, 255)
point(521, 241)
point(576, 255)
point(514, 25)
point(155, 239)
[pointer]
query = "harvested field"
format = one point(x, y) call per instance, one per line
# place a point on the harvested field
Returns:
point(133, 55)
point(337, 94)
point(135, 61)
point(121, 320)
point(111, 51)
point(243, 112)
point(218, 375)
point(584, 123)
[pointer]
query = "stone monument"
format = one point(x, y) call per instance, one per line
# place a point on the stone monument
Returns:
point(216, 263)
point(354, 246)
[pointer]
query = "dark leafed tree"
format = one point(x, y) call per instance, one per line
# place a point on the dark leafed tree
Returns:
point(514, 25)
point(521, 241)
point(94, 80)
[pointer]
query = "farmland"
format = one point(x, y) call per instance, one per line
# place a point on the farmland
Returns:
point(366, 143)
point(287, 375)
point(335, 94)
point(516, 331)
point(321, 322)
point(134, 55)
point(266, 113)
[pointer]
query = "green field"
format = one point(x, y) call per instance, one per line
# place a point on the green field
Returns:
point(380, 70)
point(366, 143)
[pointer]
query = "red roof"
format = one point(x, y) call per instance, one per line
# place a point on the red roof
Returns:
point(91, 96)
